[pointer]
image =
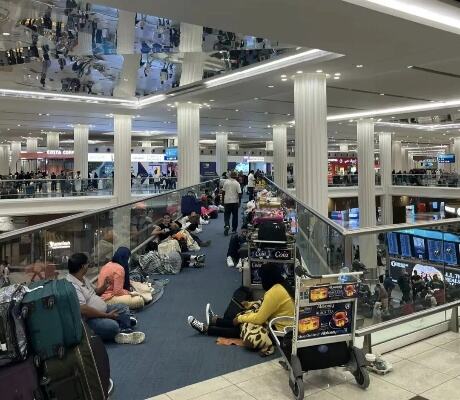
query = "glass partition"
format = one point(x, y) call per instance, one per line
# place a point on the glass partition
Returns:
point(42, 252)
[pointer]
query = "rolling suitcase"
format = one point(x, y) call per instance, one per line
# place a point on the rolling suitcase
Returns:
point(19, 381)
point(83, 373)
point(272, 231)
point(53, 318)
point(13, 340)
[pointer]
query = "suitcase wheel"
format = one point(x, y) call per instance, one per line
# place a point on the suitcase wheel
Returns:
point(48, 302)
point(37, 360)
point(24, 312)
point(61, 352)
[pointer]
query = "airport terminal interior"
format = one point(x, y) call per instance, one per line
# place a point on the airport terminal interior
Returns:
point(240, 200)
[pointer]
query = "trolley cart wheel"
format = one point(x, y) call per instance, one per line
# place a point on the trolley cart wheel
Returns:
point(362, 377)
point(297, 388)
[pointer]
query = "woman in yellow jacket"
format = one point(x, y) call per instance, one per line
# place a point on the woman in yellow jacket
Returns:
point(278, 301)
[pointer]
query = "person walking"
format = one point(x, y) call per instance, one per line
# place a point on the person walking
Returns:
point(231, 199)
point(251, 185)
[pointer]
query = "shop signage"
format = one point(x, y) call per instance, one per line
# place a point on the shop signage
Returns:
point(253, 159)
point(59, 152)
point(59, 245)
point(142, 157)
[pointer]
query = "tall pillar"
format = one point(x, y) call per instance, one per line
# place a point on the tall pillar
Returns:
point(311, 140)
point(221, 152)
point(396, 155)
point(188, 130)
point(343, 148)
point(80, 147)
point(280, 155)
point(191, 43)
point(15, 164)
point(385, 173)
point(366, 191)
point(122, 158)
point(32, 145)
point(52, 140)
point(457, 154)
point(404, 160)
point(4, 159)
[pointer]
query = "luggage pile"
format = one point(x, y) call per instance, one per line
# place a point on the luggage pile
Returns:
point(46, 351)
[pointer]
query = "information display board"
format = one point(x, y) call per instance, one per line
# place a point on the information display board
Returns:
point(406, 250)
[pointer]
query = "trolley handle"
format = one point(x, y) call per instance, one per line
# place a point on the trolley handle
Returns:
point(301, 272)
point(276, 333)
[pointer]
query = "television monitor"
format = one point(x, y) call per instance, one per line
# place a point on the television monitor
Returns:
point(446, 158)
point(392, 239)
point(419, 247)
point(171, 154)
point(404, 240)
point(450, 253)
point(435, 250)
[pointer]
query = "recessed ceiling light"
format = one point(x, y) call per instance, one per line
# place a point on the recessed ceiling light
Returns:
point(359, 66)
point(189, 102)
point(250, 127)
point(382, 94)
point(319, 71)
point(336, 77)
point(40, 114)
point(237, 110)
point(284, 79)
point(270, 86)
point(409, 66)
point(283, 76)
point(211, 100)
point(288, 115)
point(256, 98)
point(300, 72)
point(266, 112)
point(337, 74)
point(19, 124)
point(47, 114)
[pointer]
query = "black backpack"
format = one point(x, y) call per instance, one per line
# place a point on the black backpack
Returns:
point(272, 231)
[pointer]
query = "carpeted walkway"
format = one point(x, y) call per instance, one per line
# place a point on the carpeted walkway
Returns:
point(174, 355)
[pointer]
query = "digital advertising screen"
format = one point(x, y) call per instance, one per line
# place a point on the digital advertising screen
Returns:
point(419, 246)
point(435, 251)
point(450, 253)
point(406, 250)
point(446, 158)
point(171, 154)
point(392, 239)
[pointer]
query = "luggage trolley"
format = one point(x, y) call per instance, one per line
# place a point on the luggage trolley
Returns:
point(323, 331)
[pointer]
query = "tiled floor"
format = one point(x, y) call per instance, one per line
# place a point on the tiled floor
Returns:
point(428, 370)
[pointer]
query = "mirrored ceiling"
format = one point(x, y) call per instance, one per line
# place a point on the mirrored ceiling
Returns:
point(70, 46)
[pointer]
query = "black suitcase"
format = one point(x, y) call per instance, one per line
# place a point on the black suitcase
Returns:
point(19, 381)
point(272, 231)
point(83, 374)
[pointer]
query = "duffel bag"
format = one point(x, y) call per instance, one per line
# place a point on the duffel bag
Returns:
point(53, 319)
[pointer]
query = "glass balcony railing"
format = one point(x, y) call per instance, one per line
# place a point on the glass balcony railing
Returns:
point(430, 180)
point(337, 180)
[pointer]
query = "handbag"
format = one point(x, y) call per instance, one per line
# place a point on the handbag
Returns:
point(143, 290)
point(168, 246)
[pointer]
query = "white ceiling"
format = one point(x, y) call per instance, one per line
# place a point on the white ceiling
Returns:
point(384, 44)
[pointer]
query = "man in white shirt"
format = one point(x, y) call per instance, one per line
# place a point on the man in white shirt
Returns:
point(231, 198)
point(251, 185)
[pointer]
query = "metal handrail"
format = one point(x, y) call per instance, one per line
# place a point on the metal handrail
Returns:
point(33, 228)
point(406, 318)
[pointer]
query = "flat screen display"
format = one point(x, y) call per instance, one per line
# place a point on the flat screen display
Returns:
point(171, 153)
point(419, 246)
point(450, 253)
point(435, 250)
point(446, 158)
point(392, 239)
point(406, 250)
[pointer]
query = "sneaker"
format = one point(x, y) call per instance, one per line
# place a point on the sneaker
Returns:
point(198, 265)
point(230, 262)
point(240, 264)
point(233, 232)
point(130, 338)
point(133, 321)
point(226, 229)
point(206, 243)
point(198, 230)
point(209, 314)
point(203, 221)
point(201, 258)
point(195, 324)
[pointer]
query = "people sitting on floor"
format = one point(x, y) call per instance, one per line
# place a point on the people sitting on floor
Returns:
point(112, 322)
point(278, 301)
point(153, 262)
point(235, 246)
point(168, 228)
point(116, 272)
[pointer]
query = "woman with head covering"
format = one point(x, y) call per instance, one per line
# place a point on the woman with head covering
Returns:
point(277, 302)
point(116, 272)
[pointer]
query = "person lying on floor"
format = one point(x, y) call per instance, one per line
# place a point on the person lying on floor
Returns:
point(153, 262)
point(168, 228)
point(235, 246)
point(116, 272)
point(277, 302)
point(112, 322)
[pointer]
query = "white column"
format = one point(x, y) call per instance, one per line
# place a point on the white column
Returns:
point(396, 155)
point(457, 154)
point(385, 173)
point(52, 140)
point(4, 159)
point(188, 130)
point(366, 191)
point(191, 44)
point(311, 140)
point(32, 145)
point(122, 158)
point(343, 148)
point(126, 86)
point(221, 152)
point(280, 155)
point(80, 148)
point(404, 160)
point(15, 165)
